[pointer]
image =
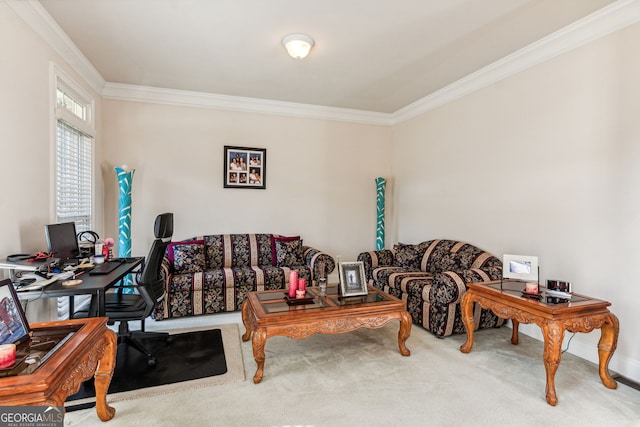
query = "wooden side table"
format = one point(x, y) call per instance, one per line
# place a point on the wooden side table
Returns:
point(91, 351)
point(581, 314)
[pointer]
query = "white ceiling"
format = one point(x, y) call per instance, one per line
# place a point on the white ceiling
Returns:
point(370, 55)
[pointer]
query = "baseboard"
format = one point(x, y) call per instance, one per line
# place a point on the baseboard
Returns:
point(626, 381)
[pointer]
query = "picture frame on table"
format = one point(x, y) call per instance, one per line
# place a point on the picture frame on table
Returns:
point(14, 327)
point(245, 167)
point(559, 285)
point(521, 267)
point(352, 279)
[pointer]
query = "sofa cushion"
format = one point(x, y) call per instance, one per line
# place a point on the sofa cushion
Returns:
point(274, 238)
point(188, 257)
point(405, 280)
point(218, 290)
point(451, 255)
point(237, 250)
point(171, 245)
point(287, 251)
point(408, 256)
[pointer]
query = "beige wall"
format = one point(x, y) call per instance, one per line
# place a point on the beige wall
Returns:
point(319, 178)
point(26, 132)
point(24, 135)
point(544, 163)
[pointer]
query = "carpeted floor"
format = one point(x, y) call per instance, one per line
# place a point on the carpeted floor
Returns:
point(360, 379)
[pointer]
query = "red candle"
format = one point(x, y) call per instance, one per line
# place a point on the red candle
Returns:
point(531, 288)
point(7, 355)
point(302, 284)
point(293, 283)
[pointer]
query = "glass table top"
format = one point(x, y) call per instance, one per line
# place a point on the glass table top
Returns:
point(276, 302)
point(517, 289)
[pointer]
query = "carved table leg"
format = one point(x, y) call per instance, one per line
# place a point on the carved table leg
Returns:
point(102, 377)
point(466, 309)
point(403, 334)
point(514, 333)
point(606, 347)
point(245, 320)
point(553, 334)
point(259, 340)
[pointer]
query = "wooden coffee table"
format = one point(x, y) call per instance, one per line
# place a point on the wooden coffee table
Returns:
point(90, 351)
point(581, 314)
point(266, 314)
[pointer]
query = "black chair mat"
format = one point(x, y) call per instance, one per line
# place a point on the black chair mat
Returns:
point(189, 356)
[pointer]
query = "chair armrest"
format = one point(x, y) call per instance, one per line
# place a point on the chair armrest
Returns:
point(313, 256)
point(449, 286)
point(375, 259)
point(117, 289)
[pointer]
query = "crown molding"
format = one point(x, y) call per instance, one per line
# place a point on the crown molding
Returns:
point(236, 103)
point(32, 12)
point(599, 24)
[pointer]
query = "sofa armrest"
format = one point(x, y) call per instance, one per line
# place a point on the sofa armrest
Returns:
point(313, 256)
point(375, 259)
point(167, 266)
point(449, 286)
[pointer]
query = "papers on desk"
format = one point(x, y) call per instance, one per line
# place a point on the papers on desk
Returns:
point(19, 266)
point(41, 282)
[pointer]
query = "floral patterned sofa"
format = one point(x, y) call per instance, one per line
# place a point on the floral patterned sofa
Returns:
point(431, 277)
point(212, 274)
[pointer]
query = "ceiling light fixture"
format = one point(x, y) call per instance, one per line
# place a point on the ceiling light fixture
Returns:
point(297, 45)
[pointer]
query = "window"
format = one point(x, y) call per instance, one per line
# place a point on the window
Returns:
point(74, 166)
point(73, 153)
point(65, 100)
point(73, 176)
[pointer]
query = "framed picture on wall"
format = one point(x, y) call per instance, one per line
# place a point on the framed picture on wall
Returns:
point(245, 167)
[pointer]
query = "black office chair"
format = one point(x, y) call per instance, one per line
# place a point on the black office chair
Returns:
point(123, 308)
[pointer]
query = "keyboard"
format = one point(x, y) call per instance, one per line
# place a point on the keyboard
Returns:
point(104, 268)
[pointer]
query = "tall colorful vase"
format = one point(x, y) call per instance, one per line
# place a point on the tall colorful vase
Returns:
point(125, 182)
point(381, 185)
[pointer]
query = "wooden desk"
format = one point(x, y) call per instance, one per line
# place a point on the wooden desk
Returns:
point(94, 285)
point(91, 351)
point(581, 314)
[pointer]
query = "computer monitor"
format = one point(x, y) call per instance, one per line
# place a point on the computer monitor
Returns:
point(62, 240)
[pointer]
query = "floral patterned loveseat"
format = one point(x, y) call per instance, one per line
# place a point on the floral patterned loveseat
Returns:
point(214, 273)
point(431, 277)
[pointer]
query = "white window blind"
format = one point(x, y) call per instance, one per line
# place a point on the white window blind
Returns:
point(73, 187)
point(74, 111)
point(73, 176)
